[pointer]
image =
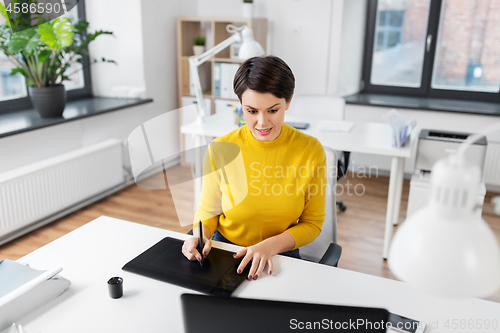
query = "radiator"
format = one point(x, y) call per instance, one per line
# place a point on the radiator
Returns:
point(36, 191)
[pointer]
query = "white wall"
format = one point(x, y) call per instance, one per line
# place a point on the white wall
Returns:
point(21, 149)
point(334, 40)
point(123, 18)
point(306, 34)
point(351, 48)
point(299, 33)
point(321, 40)
point(160, 49)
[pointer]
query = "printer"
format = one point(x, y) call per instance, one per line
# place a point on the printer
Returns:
point(432, 146)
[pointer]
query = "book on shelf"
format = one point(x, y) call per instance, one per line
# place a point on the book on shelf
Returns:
point(228, 70)
point(217, 75)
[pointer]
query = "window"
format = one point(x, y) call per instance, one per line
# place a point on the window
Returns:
point(11, 87)
point(389, 29)
point(13, 92)
point(433, 48)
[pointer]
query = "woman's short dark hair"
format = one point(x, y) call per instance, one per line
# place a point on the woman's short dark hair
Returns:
point(265, 75)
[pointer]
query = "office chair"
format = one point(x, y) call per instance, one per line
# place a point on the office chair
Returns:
point(324, 249)
point(327, 108)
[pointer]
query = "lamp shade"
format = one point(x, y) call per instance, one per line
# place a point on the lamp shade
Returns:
point(250, 47)
point(445, 248)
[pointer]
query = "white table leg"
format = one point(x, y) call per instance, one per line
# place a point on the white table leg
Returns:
point(198, 158)
point(392, 204)
point(398, 190)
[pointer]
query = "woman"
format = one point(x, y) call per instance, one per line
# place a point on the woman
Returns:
point(284, 176)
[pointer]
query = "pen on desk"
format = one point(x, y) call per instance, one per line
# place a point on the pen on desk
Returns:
point(200, 242)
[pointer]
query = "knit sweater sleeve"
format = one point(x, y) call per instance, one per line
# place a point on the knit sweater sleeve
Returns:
point(209, 206)
point(312, 218)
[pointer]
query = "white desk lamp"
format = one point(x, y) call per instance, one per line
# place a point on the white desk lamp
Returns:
point(443, 248)
point(249, 48)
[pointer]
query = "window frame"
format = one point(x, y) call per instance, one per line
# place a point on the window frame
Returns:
point(425, 90)
point(23, 103)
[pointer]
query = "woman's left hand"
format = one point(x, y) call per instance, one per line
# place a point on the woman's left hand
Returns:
point(260, 255)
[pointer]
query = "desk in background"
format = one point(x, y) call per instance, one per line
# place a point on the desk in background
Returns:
point(367, 138)
point(92, 254)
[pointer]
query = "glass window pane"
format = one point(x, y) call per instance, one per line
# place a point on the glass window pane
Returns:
point(381, 18)
point(10, 86)
point(399, 51)
point(76, 76)
point(379, 41)
point(394, 37)
point(74, 72)
point(396, 19)
point(467, 49)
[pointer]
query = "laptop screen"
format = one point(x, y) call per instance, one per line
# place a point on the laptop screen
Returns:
point(218, 314)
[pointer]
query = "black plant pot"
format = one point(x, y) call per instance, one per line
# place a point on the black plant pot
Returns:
point(48, 101)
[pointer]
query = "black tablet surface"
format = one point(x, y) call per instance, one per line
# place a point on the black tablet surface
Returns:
point(211, 314)
point(164, 261)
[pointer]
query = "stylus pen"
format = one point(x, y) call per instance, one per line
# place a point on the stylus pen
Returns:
point(200, 242)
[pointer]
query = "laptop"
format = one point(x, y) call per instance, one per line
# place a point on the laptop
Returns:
point(211, 314)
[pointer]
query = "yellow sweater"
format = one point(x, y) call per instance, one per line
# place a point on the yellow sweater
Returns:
point(254, 190)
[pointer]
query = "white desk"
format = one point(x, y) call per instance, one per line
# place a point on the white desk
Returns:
point(368, 138)
point(95, 252)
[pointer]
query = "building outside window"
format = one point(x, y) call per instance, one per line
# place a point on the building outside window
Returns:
point(433, 48)
point(468, 49)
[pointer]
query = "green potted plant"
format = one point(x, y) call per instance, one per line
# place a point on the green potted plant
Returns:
point(43, 54)
point(199, 45)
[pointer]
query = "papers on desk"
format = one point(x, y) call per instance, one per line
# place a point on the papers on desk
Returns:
point(401, 128)
point(335, 126)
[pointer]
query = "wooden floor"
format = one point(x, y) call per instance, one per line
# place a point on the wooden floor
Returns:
point(360, 228)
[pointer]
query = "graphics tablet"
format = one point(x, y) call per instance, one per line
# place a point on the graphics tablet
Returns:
point(164, 261)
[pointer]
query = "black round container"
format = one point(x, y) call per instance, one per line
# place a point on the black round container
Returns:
point(115, 287)
point(48, 101)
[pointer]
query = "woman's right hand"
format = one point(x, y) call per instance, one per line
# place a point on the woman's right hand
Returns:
point(190, 248)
